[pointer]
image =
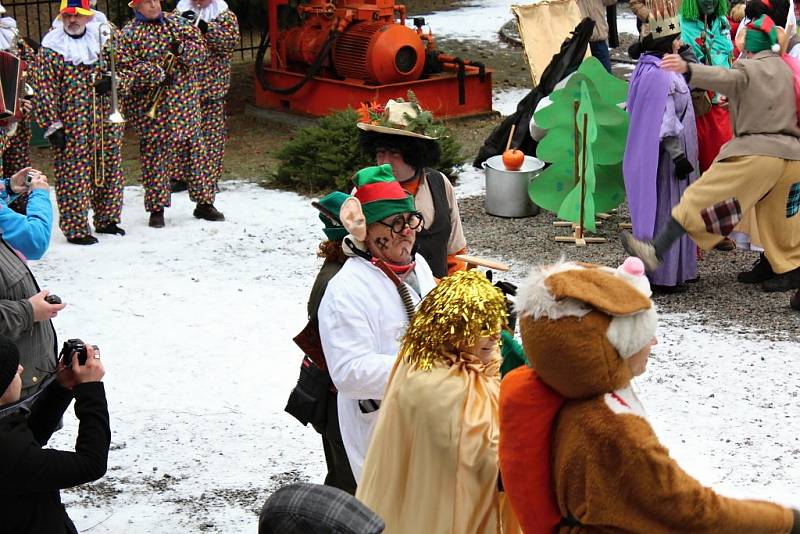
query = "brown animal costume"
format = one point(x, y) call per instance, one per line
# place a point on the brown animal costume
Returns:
point(576, 452)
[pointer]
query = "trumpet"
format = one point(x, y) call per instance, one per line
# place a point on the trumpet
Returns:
point(157, 93)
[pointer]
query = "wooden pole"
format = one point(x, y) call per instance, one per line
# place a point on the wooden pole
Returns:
point(583, 177)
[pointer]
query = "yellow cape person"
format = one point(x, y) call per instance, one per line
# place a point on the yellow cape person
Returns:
point(432, 464)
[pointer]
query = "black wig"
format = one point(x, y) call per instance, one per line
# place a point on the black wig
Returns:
point(418, 153)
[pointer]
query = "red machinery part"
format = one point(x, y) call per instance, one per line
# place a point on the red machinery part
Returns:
point(379, 53)
point(303, 43)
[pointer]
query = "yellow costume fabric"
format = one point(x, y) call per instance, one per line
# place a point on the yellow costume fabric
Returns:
point(432, 463)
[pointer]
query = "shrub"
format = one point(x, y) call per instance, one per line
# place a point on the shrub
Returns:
point(324, 157)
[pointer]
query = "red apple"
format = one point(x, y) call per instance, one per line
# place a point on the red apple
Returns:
point(513, 159)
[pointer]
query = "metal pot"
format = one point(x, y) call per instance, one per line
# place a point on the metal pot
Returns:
point(507, 191)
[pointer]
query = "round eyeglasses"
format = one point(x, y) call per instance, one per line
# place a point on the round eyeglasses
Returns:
point(413, 220)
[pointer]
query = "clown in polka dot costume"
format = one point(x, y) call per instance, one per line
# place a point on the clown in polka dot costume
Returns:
point(175, 130)
point(72, 106)
point(220, 29)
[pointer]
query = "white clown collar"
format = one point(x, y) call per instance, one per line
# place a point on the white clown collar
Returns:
point(208, 13)
point(82, 50)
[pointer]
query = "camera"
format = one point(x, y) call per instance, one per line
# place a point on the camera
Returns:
point(73, 346)
point(52, 299)
point(29, 178)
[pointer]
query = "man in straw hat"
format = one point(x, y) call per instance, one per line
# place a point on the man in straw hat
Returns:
point(220, 29)
point(405, 136)
point(73, 108)
point(758, 169)
point(172, 94)
point(369, 301)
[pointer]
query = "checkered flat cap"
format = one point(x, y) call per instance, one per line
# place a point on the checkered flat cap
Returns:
point(305, 508)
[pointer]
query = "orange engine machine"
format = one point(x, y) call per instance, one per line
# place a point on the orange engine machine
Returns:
point(328, 55)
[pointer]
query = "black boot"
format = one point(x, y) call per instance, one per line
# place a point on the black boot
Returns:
point(156, 219)
point(109, 228)
point(761, 272)
point(208, 212)
point(795, 302)
point(783, 282)
point(83, 240)
point(726, 245)
point(176, 186)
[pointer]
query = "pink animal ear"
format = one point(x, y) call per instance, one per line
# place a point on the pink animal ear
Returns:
point(353, 220)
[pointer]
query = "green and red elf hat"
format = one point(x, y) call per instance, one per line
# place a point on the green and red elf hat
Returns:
point(75, 7)
point(762, 34)
point(380, 194)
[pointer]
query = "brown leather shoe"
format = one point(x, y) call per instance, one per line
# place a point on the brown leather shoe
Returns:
point(795, 302)
point(208, 212)
point(156, 219)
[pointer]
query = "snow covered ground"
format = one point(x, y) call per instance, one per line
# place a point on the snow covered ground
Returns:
point(195, 324)
point(482, 19)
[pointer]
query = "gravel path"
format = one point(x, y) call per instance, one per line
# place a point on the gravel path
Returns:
point(716, 300)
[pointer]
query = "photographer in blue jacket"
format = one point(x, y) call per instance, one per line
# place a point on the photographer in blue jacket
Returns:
point(29, 233)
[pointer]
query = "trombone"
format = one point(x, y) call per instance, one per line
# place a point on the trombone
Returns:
point(115, 117)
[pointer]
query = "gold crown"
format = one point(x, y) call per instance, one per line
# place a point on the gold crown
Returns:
point(663, 18)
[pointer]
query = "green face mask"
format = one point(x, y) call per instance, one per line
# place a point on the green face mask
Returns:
point(708, 7)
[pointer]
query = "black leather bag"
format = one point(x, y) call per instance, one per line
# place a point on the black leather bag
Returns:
point(308, 400)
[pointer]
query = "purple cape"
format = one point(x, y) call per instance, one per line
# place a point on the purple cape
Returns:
point(647, 102)
point(650, 184)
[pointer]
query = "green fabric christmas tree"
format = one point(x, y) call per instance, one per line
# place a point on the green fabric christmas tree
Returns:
point(583, 118)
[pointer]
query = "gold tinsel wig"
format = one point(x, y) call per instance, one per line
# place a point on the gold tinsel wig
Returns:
point(464, 307)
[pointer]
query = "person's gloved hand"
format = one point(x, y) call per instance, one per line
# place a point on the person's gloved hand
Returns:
point(58, 139)
point(176, 48)
point(683, 168)
point(507, 288)
point(191, 16)
point(103, 85)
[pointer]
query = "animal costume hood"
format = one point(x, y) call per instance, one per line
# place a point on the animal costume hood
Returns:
point(576, 451)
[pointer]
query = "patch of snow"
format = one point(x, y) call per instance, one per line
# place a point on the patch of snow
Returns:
point(480, 19)
point(505, 101)
point(626, 22)
point(195, 324)
point(471, 182)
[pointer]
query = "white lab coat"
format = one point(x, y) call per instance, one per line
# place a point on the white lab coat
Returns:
point(361, 321)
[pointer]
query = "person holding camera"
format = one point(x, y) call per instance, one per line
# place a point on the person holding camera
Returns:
point(25, 310)
point(28, 233)
point(31, 476)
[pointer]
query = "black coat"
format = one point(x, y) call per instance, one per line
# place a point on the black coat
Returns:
point(31, 477)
